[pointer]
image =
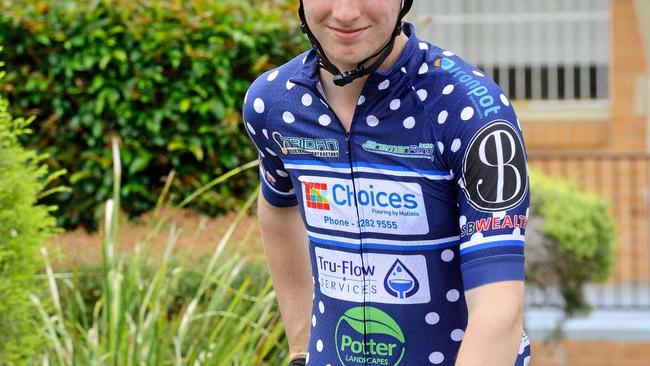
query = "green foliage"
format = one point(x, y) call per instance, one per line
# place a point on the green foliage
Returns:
point(583, 231)
point(24, 226)
point(168, 76)
point(160, 312)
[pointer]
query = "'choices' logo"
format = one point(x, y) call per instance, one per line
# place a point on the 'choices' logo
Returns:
point(388, 206)
point(385, 343)
point(316, 196)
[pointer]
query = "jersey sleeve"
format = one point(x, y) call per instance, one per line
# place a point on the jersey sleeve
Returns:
point(277, 187)
point(486, 153)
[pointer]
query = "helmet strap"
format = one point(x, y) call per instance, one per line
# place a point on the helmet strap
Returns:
point(346, 77)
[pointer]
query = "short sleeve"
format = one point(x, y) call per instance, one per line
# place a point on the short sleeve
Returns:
point(487, 156)
point(277, 187)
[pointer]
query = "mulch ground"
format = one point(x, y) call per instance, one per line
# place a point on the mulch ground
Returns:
point(198, 237)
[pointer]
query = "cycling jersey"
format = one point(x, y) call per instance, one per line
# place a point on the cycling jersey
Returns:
point(424, 198)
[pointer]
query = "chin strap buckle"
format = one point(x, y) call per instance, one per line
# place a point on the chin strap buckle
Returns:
point(346, 77)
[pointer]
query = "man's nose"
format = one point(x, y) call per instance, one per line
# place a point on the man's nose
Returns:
point(345, 12)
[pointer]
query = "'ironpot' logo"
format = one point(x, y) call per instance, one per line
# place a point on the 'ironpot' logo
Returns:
point(494, 168)
point(385, 344)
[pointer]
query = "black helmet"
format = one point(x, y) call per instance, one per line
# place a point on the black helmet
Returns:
point(346, 77)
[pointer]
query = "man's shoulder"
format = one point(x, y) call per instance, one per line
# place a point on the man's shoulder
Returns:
point(273, 83)
point(452, 84)
point(452, 75)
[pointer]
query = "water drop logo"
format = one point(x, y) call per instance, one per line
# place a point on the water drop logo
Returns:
point(384, 340)
point(400, 281)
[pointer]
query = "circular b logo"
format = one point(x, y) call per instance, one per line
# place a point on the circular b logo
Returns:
point(384, 344)
point(494, 168)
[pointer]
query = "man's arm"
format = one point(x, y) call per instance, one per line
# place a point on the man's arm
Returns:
point(287, 252)
point(495, 324)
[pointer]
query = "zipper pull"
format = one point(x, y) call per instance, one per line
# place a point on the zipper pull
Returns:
point(347, 142)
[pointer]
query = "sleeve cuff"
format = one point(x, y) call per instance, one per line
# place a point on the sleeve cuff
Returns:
point(278, 200)
point(493, 269)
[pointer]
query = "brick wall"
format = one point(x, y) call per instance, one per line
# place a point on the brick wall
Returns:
point(623, 181)
point(628, 67)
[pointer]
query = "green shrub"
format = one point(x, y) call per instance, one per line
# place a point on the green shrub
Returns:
point(581, 234)
point(167, 76)
point(24, 225)
point(163, 312)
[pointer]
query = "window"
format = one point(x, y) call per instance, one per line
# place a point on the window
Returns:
point(534, 49)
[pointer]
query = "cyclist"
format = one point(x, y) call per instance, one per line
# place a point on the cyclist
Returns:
point(394, 196)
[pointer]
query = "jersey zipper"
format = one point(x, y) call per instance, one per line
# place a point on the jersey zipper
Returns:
point(348, 137)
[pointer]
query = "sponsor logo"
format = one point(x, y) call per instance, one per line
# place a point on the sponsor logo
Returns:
point(346, 276)
point(494, 168)
point(422, 151)
point(484, 103)
point(307, 146)
point(316, 196)
point(444, 63)
point(388, 206)
point(366, 335)
point(400, 281)
point(493, 223)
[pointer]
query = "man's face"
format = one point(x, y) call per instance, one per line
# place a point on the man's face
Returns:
point(351, 30)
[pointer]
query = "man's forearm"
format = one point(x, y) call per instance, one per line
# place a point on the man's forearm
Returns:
point(493, 337)
point(287, 253)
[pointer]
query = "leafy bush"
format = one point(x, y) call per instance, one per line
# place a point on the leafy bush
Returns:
point(577, 239)
point(167, 76)
point(161, 313)
point(24, 226)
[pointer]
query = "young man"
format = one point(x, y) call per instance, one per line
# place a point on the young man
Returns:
point(394, 197)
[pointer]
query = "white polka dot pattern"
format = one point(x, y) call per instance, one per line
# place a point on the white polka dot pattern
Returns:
point(442, 117)
point(447, 255)
point(288, 117)
point(455, 145)
point(505, 100)
point(324, 120)
point(258, 105)
point(467, 114)
point(281, 173)
point(453, 295)
point(457, 335)
point(409, 123)
point(436, 358)
point(306, 100)
point(273, 75)
point(250, 128)
point(372, 121)
point(432, 318)
point(448, 89)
